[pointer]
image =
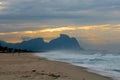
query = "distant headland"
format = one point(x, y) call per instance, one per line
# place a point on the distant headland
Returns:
point(63, 42)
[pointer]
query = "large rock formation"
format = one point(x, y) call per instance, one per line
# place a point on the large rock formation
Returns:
point(64, 42)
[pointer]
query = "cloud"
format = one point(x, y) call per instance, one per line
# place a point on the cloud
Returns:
point(75, 11)
point(2, 6)
point(24, 38)
point(68, 28)
point(97, 36)
point(49, 18)
point(16, 27)
point(104, 27)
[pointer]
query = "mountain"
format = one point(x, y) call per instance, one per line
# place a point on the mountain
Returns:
point(36, 44)
point(64, 42)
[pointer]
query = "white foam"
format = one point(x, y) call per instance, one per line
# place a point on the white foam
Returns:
point(103, 63)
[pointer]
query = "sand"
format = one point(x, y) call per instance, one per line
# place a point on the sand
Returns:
point(26, 66)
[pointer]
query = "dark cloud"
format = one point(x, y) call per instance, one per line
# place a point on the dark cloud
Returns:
point(60, 11)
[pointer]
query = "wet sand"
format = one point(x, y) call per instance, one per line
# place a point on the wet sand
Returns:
point(27, 66)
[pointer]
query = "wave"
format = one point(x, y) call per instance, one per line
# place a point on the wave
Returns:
point(104, 63)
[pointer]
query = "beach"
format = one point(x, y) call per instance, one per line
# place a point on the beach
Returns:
point(26, 66)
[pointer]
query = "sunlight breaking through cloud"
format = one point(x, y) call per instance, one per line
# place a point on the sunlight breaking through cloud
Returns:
point(1, 5)
point(58, 29)
point(68, 28)
point(92, 33)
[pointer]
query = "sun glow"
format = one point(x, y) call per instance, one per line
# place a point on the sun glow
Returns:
point(58, 29)
point(93, 33)
point(1, 3)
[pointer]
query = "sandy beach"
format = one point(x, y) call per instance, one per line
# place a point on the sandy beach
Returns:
point(27, 66)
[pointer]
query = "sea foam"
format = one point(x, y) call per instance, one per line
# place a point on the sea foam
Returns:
point(101, 62)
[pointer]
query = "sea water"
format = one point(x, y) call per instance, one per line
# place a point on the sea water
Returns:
point(101, 62)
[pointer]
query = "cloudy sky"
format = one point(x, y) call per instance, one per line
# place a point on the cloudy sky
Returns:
point(95, 23)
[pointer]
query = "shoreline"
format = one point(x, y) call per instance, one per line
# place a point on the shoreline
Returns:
point(88, 70)
point(93, 71)
point(28, 66)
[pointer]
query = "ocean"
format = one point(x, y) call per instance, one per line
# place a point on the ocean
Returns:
point(100, 62)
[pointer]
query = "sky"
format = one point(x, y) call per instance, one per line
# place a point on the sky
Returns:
point(95, 23)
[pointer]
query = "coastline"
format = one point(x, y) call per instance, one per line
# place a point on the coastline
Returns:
point(88, 70)
point(27, 66)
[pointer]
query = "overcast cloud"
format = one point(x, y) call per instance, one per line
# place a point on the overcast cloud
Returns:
point(31, 15)
point(77, 10)
point(57, 12)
